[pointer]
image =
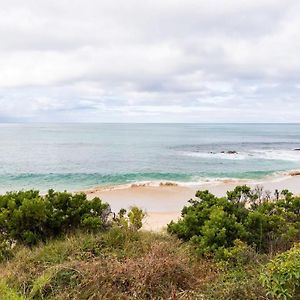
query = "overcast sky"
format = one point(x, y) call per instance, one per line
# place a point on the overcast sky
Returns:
point(150, 61)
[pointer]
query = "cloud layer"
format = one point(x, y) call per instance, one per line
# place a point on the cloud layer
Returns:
point(150, 61)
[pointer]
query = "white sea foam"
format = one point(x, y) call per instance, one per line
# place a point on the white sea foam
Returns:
point(284, 155)
point(237, 156)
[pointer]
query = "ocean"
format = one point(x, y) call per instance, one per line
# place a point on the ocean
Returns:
point(81, 156)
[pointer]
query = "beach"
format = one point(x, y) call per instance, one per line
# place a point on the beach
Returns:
point(163, 202)
point(157, 167)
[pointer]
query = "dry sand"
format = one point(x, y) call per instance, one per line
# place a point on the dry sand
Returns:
point(163, 203)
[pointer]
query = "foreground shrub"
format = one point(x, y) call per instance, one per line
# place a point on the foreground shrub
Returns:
point(281, 277)
point(238, 279)
point(237, 284)
point(158, 274)
point(28, 217)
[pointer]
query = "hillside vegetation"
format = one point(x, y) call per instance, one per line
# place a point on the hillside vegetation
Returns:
point(62, 246)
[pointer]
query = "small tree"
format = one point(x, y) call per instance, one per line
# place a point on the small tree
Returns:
point(136, 216)
point(132, 220)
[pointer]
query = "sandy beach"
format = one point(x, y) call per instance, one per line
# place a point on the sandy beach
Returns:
point(163, 202)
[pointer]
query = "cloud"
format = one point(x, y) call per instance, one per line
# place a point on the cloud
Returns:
point(150, 61)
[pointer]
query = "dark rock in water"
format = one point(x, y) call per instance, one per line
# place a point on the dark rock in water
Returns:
point(229, 152)
point(297, 149)
point(232, 152)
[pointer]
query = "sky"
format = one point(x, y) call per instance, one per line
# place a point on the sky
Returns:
point(150, 61)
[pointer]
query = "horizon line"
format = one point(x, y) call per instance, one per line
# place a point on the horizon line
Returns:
point(83, 122)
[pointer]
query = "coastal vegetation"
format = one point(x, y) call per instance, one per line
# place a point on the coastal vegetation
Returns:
point(62, 246)
point(27, 217)
point(214, 224)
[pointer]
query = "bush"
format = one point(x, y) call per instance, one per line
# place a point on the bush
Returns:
point(219, 232)
point(281, 277)
point(132, 220)
point(136, 216)
point(156, 275)
point(240, 255)
point(27, 217)
point(240, 267)
point(213, 223)
point(237, 284)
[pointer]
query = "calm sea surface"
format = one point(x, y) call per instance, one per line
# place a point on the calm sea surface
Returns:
point(77, 156)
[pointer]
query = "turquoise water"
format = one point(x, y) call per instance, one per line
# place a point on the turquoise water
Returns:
point(78, 156)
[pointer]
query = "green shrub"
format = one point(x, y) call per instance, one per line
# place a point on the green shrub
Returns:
point(28, 217)
point(136, 216)
point(213, 224)
point(236, 284)
point(240, 255)
point(219, 232)
point(281, 277)
point(131, 220)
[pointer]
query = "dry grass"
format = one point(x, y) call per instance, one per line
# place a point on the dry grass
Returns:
point(118, 264)
point(160, 274)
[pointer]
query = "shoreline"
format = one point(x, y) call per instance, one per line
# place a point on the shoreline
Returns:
point(163, 201)
point(276, 176)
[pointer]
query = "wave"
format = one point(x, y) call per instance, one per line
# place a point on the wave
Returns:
point(211, 155)
point(282, 155)
point(79, 181)
point(85, 181)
